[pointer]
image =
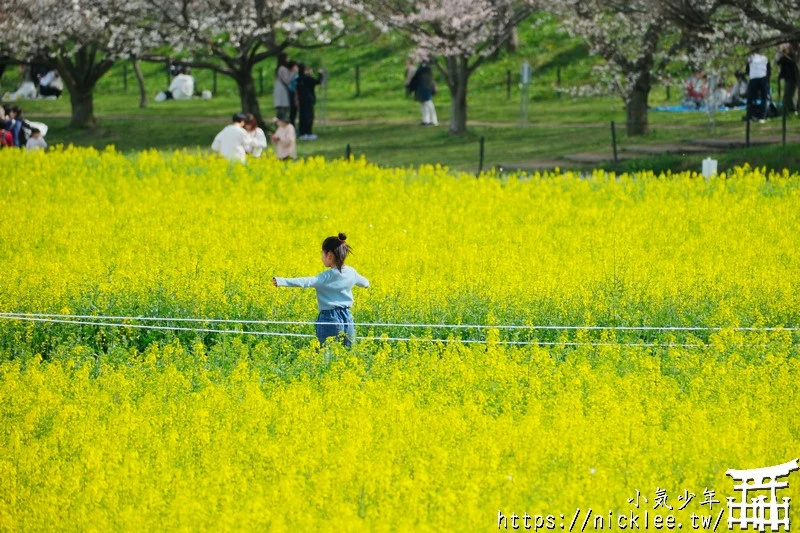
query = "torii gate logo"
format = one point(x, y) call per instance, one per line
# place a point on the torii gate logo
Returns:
point(758, 512)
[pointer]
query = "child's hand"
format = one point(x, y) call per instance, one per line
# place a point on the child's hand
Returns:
point(274, 282)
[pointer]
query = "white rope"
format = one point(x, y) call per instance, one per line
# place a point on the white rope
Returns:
point(402, 325)
point(383, 338)
point(169, 328)
point(536, 343)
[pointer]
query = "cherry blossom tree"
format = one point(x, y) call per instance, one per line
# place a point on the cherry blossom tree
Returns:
point(781, 16)
point(81, 39)
point(232, 37)
point(636, 41)
point(720, 24)
point(721, 30)
point(639, 39)
point(458, 36)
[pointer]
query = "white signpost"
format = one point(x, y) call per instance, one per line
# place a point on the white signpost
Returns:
point(524, 93)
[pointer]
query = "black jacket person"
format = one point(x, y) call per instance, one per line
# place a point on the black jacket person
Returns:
point(306, 99)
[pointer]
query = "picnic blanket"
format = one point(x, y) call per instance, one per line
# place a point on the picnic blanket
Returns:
point(685, 108)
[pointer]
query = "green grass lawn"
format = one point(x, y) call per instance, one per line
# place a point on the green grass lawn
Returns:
point(381, 123)
point(398, 141)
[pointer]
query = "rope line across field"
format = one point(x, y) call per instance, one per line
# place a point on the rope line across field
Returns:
point(116, 321)
point(406, 325)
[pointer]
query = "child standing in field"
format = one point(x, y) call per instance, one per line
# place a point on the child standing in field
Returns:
point(334, 288)
point(284, 139)
point(36, 142)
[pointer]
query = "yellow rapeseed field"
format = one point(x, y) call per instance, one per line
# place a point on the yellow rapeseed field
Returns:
point(107, 428)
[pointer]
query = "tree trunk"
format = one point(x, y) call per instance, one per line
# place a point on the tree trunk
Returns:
point(137, 69)
point(458, 77)
point(248, 97)
point(82, 101)
point(636, 107)
point(513, 42)
point(80, 75)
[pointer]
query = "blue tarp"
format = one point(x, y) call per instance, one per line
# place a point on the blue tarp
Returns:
point(683, 108)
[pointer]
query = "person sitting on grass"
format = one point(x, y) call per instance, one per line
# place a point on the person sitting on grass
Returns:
point(50, 85)
point(36, 141)
point(231, 142)
point(181, 88)
point(696, 90)
point(284, 138)
point(334, 288)
point(738, 93)
point(26, 90)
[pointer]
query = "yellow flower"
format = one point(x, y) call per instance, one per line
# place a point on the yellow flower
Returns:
point(110, 428)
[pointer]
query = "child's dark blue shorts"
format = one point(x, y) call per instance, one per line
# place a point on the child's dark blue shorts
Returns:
point(336, 322)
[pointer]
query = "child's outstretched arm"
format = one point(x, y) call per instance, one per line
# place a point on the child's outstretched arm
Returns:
point(361, 281)
point(303, 283)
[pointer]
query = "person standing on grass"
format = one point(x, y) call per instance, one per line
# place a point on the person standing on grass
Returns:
point(280, 91)
point(758, 86)
point(231, 142)
point(788, 73)
point(256, 140)
point(306, 100)
point(14, 123)
point(424, 89)
point(334, 288)
point(284, 139)
point(294, 68)
point(6, 139)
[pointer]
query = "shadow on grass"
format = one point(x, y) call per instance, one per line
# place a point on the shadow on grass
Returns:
point(565, 58)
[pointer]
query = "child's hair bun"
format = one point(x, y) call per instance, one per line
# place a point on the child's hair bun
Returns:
point(342, 237)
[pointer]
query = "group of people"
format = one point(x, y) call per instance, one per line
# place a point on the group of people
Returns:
point(419, 82)
point(759, 95)
point(751, 87)
point(16, 132)
point(294, 95)
point(700, 93)
point(38, 81)
point(243, 137)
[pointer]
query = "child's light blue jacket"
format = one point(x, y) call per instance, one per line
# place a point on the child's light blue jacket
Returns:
point(334, 288)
